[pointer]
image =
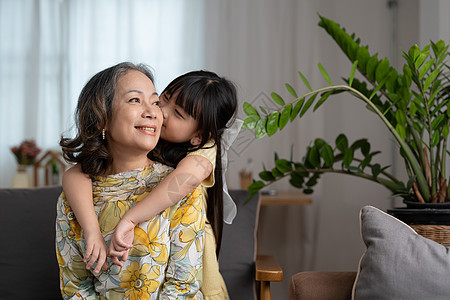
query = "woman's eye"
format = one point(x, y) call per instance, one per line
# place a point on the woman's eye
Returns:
point(157, 103)
point(135, 100)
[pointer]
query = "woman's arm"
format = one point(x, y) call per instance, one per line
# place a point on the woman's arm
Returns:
point(77, 187)
point(190, 172)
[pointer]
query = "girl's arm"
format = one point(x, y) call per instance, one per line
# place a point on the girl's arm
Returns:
point(77, 187)
point(189, 173)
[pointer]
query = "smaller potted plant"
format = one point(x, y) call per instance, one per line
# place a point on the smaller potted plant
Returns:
point(25, 154)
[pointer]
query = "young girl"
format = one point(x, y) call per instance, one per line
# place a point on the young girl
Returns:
point(196, 109)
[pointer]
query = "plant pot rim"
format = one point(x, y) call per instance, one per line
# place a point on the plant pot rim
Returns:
point(420, 205)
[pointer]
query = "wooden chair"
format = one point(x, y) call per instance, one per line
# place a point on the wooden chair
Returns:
point(246, 274)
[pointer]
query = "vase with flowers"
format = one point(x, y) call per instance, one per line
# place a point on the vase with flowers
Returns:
point(25, 154)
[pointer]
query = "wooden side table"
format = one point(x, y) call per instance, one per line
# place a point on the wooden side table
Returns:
point(281, 198)
point(285, 198)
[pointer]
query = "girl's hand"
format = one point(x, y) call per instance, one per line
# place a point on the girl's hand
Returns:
point(122, 241)
point(96, 251)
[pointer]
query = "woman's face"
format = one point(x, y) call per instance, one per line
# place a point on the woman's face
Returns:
point(178, 126)
point(136, 120)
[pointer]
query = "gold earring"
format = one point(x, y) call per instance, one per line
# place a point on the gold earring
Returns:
point(104, 133)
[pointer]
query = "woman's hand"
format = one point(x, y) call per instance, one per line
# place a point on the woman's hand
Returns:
point(96, 251)
point(122, 241)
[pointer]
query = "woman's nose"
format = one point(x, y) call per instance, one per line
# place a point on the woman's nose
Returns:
point(151, 111)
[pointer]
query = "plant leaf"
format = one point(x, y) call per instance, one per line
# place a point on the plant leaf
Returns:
point(283, 165)
point(260, 129)
point(425, 68)
point(352, 73)
point(431, 78)
point(272, 123)
point(313, 157)
point(285, 116)
point(327, 154)
point(250, 110)
point(382, 70)
point(342, 143)
point(297, 108)
point(307, 105)
point(250, 122)
point(291, 90)
point(277, 98)
point(322, 100)
point(305, 81)
point(266, 176)
point(348, 157)
point(324, 74)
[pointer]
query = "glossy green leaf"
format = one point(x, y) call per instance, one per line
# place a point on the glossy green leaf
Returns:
point(445, 131)
point(277, 98)
point(283, 165)
point(342, 142)
point(435, 138)
point(308, 104)
point(363, 57)
point(431, 78)
point(272, 123)
point(322, 99)
point(249, 109)
point(296, 109)
point(313, 157)
point(437, 121)
point(401, 130)
point(327, 155)
point(324, 74)
point(305, 81)
point(276, 173)
point(263, 110)
point(371, 67)
point(250, 122)
point(352, 73)
point(420, 60)
point(285, 116)
point(256, 186)
point(348, 157)
point(376, 170)
point(425, 68)
point(266, 176)
point(382, 70)
point(291, 90)
point(260, 129)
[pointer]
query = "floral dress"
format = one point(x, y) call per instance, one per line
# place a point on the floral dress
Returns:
point(166, 260)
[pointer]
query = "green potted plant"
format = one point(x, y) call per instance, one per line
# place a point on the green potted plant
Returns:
point(413, 104)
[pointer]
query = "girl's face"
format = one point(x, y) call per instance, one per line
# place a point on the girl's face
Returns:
point(136, 120)
point(178, 126)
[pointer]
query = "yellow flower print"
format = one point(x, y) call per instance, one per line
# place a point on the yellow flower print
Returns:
point(111, 215)
point(140, 282)
point(150, 243)
point(182, 288)
point(189, 212)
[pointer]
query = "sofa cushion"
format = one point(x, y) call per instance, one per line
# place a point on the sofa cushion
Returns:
point(28, 266)
point(398, 263)
point(238, 251)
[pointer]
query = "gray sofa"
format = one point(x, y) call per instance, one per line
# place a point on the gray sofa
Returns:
point(28, 266)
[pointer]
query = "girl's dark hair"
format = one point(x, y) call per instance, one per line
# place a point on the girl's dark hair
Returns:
point(212, 101)
point(94, 108)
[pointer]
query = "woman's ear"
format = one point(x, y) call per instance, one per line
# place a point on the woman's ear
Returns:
point(196, 139)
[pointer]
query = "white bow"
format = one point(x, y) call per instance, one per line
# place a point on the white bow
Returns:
point(228, 137)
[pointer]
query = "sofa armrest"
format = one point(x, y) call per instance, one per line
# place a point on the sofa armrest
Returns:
point(267, 270)
point(322, 285)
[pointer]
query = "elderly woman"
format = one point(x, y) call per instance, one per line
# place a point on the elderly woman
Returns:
point(118, 123)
